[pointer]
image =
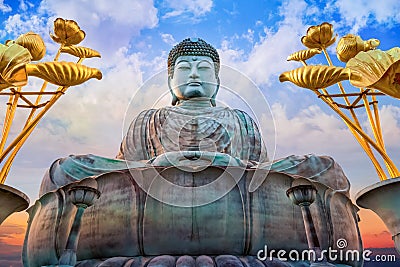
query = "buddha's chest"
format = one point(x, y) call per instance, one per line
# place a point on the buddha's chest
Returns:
point(200, 132)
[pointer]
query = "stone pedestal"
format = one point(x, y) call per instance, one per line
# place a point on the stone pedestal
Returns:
point(138, 216)
point(11, 200)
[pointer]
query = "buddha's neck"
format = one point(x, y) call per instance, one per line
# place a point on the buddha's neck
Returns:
point(195, 103)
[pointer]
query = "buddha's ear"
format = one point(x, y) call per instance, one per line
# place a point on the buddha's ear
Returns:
point(174, 98)
point(212, 100)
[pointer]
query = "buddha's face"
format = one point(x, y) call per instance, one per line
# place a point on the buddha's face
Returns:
point(194, 77)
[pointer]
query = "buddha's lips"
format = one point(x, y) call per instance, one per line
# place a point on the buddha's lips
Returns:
point(194, 83)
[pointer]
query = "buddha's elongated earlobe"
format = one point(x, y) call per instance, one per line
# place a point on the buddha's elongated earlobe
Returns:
point(175, 100)
point(212, 100)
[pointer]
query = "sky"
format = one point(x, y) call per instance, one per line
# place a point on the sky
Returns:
point(253, 39)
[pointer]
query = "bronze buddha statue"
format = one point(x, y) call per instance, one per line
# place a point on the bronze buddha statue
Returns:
point(138, 219)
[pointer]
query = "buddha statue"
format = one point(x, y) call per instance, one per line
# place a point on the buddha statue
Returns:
point(193, 125)
point(191, 131)
point(191, 186)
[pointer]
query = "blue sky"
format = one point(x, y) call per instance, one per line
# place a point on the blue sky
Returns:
point(252, 37)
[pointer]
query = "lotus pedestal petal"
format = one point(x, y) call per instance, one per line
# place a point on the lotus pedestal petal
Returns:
point(11, 200)
point(384, 199)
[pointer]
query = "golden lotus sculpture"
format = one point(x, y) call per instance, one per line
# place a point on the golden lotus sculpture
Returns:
point(350, 45)
point(34, 43)
point(315, 77)
point(320, 36)
point(67, 32)
point(16, 66)
point(303, 55)
point(371, 71)
point(377, 69)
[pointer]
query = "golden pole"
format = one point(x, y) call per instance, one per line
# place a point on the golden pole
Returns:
point(391, 170)
point(9, 118)
point(363, 143)
point(19, 140)
point(17, 146)
point(363, 135)
point(44, 85)
point(377, 119)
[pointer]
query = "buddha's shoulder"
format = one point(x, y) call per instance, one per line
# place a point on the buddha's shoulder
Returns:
point(214, 111)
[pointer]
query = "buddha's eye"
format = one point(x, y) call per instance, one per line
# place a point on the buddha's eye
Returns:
point(183, 66)
point(204, 66)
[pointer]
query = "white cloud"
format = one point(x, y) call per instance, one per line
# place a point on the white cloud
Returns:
point(4, 7)
point(168, 39)
point(314, 131)
point(249, 35)
point(357, 13)
point(109, 25)
point(20, 23)
point(23, 6)
point(311, 130)
point(389, 116)
point(197, 8)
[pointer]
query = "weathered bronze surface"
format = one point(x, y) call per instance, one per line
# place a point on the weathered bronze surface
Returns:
point(190, 179)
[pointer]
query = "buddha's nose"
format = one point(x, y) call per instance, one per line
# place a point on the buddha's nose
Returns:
point(194, 74)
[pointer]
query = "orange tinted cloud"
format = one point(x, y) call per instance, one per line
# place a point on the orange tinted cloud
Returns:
point(12, 233)
point(373, 231)
point(12, 230)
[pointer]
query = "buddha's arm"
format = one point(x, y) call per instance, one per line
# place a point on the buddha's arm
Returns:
point(134, 146)
point(253, 145)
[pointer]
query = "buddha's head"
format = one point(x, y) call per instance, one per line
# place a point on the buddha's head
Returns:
point(193, 67)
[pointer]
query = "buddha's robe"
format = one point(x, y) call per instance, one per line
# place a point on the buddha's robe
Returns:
point(156, 132)
point(211, 129)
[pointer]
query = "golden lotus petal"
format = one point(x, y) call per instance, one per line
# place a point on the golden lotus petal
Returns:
point(13, 59)
point(389, 83)
point(76, 38)
point(307, 42)
point(59, 28)
point(377, 69)
point(315, 77)
point(326, 33)
point(368, 67)
point(63, 73)
point(303, 55)
point(80, 51)
point(13, 55)
point(350, 45)
point(71, 27)
point(34, 43)
point(394, 53)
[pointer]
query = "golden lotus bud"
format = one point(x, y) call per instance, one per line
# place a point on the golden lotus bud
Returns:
point(34, 43)
point(315, 77)
point(320, 36)
point(13, 59)
point(63, 73)
point(350, 45)
point(377, 69)
point(67, 32)
point(303, 55)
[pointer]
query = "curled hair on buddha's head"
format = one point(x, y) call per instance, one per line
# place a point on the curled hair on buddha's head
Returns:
point(192, 47)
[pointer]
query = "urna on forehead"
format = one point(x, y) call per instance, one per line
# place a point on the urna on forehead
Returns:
point(192, 47)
